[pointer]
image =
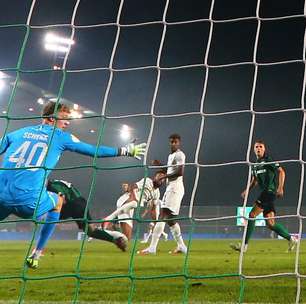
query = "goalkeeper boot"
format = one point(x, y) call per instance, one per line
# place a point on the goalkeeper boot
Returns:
point(292, 243)
point(32, 262)
point(239, 247)
point(121, 243)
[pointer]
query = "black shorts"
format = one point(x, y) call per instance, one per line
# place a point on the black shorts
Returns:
point(265, 201)
point(75, 209)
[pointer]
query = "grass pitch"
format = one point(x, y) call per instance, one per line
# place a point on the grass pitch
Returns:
point(207, 258)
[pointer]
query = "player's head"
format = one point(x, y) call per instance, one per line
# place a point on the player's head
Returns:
point(62, 112)
point(125, 187)
point(259, 148)
point(159, 178)
point(175, 142)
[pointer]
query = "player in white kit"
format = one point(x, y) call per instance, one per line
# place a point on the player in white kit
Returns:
point(155, 212)
point(172, 199)
point(144, 192)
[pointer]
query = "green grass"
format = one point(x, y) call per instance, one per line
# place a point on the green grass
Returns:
point(207, 258)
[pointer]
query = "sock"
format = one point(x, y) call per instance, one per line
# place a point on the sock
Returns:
point(176, 233)
point(123, 209)
point(250, 229)
point(149, 234)
point(100, 234)
point(157, 231)
point(151, 227)
point(46, 232)
point(282, 231)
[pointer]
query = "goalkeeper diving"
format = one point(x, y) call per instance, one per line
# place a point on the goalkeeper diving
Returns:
point(30, 151)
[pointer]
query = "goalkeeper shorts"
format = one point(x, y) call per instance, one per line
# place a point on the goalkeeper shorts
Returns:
point(25, 209)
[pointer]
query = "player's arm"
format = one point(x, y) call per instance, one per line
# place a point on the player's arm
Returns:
point(133, 188)
point(177, 173)
point(252, 184)
point(151, 208)
point(73, 144)
point(281, 182)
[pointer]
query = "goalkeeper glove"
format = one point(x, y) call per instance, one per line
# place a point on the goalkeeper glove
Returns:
point(133, 150)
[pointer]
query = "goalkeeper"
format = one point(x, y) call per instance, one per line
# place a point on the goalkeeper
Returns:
point(23, 191)
point(74, 206)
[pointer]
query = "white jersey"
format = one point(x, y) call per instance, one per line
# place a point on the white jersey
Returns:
point(175, 160)
point(175, 189)
point(150, 195)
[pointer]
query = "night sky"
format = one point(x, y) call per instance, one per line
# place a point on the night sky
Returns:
point(180, 91)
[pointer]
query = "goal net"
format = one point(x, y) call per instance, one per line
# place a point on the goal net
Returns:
point(220, 75)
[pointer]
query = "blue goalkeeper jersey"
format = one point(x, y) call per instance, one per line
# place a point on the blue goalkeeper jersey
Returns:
point(33, 147)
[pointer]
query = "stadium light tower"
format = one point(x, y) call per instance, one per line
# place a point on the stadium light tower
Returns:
point(55, 43)
point(125, 132)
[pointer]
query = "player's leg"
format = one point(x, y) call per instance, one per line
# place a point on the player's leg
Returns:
point(164, 235)
point(280, 230)
point(256, 210)
point(76, 210)
point(116, 237)
point(125, 221)
point(172, 202)
point(54, 202)
point(157, 212)
point(124, 205)
point(175, 230)
point(126, 229)
point(148, 234)
point(123, 209)
point(276, 227)
point(157, 231)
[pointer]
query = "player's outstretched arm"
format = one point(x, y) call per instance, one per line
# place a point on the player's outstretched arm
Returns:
point(73, 144)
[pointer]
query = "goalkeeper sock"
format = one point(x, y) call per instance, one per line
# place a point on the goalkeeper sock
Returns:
point(100, 234)
point(123, 209)
point(282, 231)
point(176, 233)
point(157, 231)
point(47, 229)
point(250, 229)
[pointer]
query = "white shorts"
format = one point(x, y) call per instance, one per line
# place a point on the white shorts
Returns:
point(121, 200)
point(173, 197)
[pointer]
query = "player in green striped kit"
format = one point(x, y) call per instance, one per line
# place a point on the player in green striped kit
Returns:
point(74, 207)
point(270, 178)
